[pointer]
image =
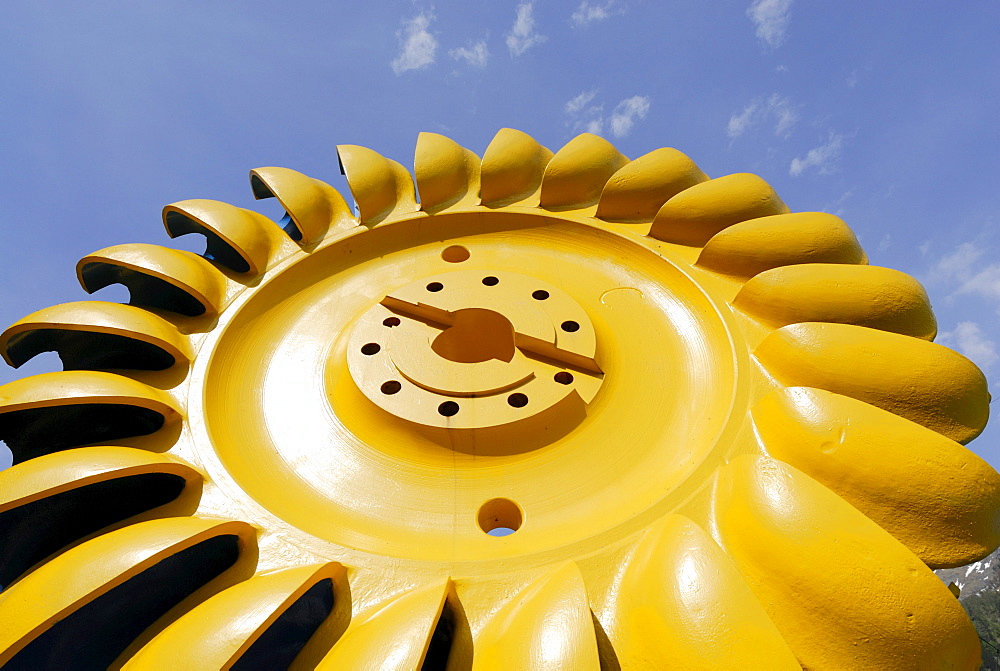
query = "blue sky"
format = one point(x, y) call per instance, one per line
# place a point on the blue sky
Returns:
point(883, 113)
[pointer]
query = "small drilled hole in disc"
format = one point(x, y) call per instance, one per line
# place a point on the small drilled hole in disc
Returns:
point(517, 400)
point(540, 295)
point(455, 254)
point(564, 378)
point(448, 409)
point(491, 281)
point(390, 321)
point(435, 286)
point(499, 517)
point(391, 387)
point(570, 327)
point(370, 348)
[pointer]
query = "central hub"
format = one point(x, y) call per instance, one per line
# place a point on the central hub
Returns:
point(466, 350)
point(476, 335)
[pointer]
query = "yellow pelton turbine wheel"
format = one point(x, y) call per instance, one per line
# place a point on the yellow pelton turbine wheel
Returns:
point(716, 437)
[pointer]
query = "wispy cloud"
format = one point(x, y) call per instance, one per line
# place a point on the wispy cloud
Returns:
point(969, 339)
point(962, 268)
point(771, 18)
point(823, 158)
point(588, 117)
point(577, 104)
point(958, 265)
point(778, 110)
point(583, 116)
point(588, 13)
point(417, 45)
point(522, 35)
point(475, 55)
point(626, 113)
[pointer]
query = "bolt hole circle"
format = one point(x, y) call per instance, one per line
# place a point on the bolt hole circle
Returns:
point(500, 517)
point(570, 326)
point(540, 295)
point(391, 387)
point(390, 321)
point(371, 348)
point(455, 254)
point(564, 377)
point(517, 400)
point(448, 409)
point(491, 281)
point(435, 287)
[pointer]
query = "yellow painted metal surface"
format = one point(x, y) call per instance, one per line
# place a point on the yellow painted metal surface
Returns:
point(216, 633)
point(245, 232)
point(563, 410)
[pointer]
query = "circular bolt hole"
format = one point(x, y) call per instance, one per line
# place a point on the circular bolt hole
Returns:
point(500, 517)
point(570, 327)
point(455, 254)
point(390, 321)
point(390, 387)
point(370, 348)
point(517, 400)
point(435, 286)
point(564, 378)
point(448, 408)
point(540, 295)
point(491, 281)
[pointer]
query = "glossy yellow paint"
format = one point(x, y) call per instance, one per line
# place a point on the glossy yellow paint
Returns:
point(545, 626)
point(189, 273)
point(870, 296)
point(249, 234)
point(639, 188)
point(512, 169)
point(938, 498)
point(395, 638)
point(696, 214)
point(604, 358)
point(96, 317)
point(756, 245)
point(842, 591)
point(919, 380)
point(681, 604)
point(84, 387)
point(314, 206)
point(82, 574)
point(195, 641)
point(447, 173)
point(576, 175)
point(53, 474)
point(380, 186)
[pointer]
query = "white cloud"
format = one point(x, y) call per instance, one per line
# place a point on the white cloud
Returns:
point(583, 116)
point(823, 157)
point(587, 117)
point(522, 35)
point(958, 265)
point(985, 283)
point(739, 123)
point(785, 116)
point(961, 267)
point(968, 338)
point(417, 45)
point(771, 18)
point(475, 55)
point(576, 105)
point(777, 109)
point(626, 113)
point(588, 13)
